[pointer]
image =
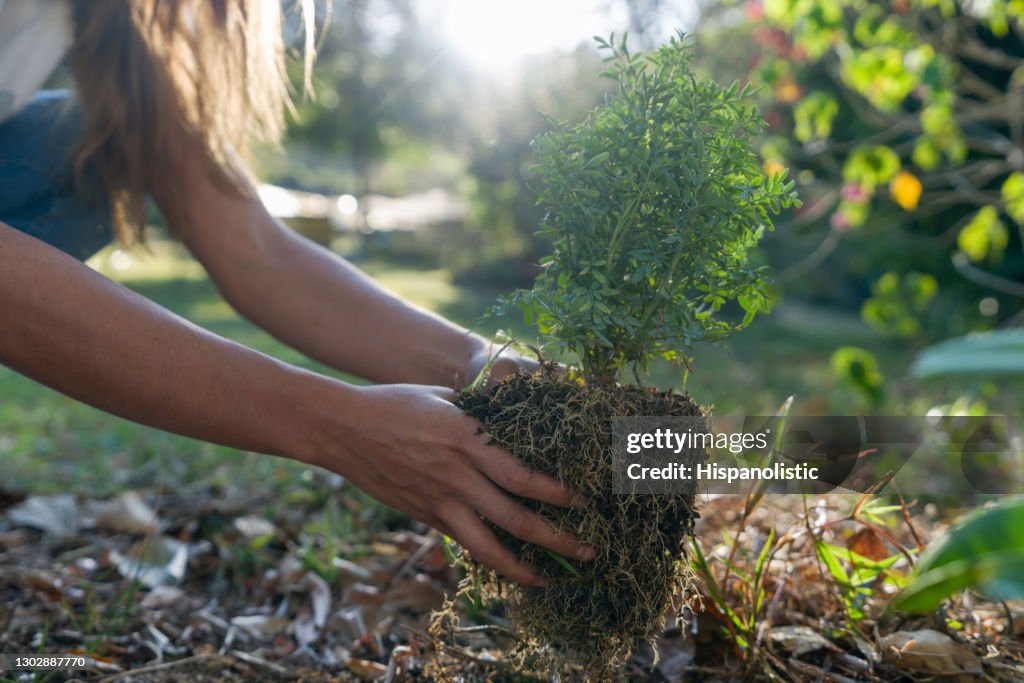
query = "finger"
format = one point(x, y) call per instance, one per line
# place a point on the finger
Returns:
point(508, 365)
point(446, 393)
point(435, 523)
point(473, 535)
point(526, 524)
point(511, 474)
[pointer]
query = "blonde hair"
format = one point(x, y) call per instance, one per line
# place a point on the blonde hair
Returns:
point(147, 69)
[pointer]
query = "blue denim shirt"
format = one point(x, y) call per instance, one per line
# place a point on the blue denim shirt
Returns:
point(37, 190)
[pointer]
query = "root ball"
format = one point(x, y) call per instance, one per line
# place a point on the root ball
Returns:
point(596, 612)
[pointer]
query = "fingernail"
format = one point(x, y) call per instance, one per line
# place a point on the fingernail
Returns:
point(586, 553)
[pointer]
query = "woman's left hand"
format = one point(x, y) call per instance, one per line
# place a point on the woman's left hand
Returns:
point(507, 363)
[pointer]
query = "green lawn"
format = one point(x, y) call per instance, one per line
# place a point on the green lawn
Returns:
point(51, 443)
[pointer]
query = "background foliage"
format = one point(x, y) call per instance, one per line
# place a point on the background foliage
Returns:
point(902, 124)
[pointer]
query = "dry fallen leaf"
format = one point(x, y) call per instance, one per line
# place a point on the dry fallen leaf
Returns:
point(349, 572)
point(367, 670)
point(930, 652)
point(162, 596)
point(154, 561)
point(799, 640)
point(50, 585)
point(867, 543)
point(319, 597)
point(290, 570)
point(127, 513)
point(253, 527)
point(303, 628)
point(261, 624)
point(418, 594)
point(57, 516)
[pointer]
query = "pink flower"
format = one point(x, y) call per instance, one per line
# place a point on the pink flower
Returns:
point(839, 222)
point(854, 193)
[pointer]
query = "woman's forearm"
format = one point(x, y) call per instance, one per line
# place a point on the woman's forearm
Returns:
point(318, 303)
point(407, 444)
point(68, 327)
point(305, 295)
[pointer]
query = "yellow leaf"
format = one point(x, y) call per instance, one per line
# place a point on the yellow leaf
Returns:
point(788, 92)
point(773, 167)
point(905, 189)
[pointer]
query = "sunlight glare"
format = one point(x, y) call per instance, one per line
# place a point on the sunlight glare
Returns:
point(491, 34)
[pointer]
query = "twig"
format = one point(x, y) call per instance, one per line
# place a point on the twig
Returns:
point(260, 662)
point(486, 628)
point(814, 259)
point(429, 544)
point(159, 667)
point(818, 673)
point(906, 517)
point(985, 279)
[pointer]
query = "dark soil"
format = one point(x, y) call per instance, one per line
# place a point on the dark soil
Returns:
point(598, 612)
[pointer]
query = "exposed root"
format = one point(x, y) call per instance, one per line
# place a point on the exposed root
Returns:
point(594, 614)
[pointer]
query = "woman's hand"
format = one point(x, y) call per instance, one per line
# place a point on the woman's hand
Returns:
point(507, 363)
point(410, 447)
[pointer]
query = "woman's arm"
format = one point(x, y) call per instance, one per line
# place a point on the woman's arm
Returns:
point(70, 328)
point(309, 297)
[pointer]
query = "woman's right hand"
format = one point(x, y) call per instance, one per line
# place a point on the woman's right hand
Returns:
point(408, 446)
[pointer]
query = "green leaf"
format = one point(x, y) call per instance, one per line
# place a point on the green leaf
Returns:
point(562, 561)
point(859, 560)
point(814, 116)
point(826, 552)
point(984, 551)
point(762, 558)
point(998, 353)
point(880, 74)
point(898, 302)
point(761, 488)
point(984, 237)
point(871, 165)
point(712, 585)
point(858, 368)
point(1013, 196)
point(655, 196)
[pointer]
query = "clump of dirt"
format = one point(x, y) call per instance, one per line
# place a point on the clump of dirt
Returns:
point(596, 612)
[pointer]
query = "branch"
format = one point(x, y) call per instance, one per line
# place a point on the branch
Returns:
point(985, 279)
point(969, 46)
point(812, 260)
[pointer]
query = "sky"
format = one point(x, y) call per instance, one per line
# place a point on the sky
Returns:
point(496, 34)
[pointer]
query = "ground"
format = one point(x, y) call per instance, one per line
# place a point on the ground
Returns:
point(159, 558)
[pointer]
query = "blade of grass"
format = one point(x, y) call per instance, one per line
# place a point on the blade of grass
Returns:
point(562, 561)
point(757, 494)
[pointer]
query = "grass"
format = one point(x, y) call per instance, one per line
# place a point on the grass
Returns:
point(50, 443)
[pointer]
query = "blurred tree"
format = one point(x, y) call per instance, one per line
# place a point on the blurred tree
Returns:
point(903, 121)
point(505, 117)
point(383, 89)
point(389, 92)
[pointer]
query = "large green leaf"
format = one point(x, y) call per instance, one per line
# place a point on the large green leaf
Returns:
point(992, 353)
point(984, 551)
